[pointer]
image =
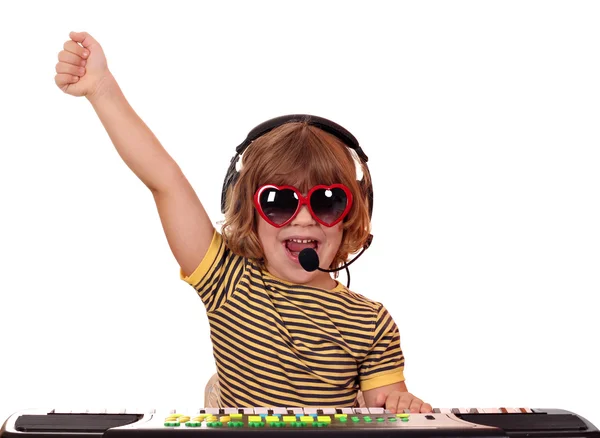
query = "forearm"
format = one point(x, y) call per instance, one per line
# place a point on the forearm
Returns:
point(134, 141)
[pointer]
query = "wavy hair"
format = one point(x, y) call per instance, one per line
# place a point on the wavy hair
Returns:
point(303, 156)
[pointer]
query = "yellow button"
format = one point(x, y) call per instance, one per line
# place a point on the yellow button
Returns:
point(324, 418)
point(211, 418)
point(402, 415)
point(236, 416)
point(184, 418)
point(289, 418)
point(225, 419)
point(271, 418)
point(254, 418)
point(175, 415)
point(200, 417)
point(306, 418)
point(171, 419)
point(341, 415)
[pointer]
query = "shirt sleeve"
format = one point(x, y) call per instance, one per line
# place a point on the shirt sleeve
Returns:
point(384, 362)
point(217, 275)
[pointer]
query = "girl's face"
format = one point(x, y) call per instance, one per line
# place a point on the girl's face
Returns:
point(282, 245)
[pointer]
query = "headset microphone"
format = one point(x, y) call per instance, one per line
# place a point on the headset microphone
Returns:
point(309, 260)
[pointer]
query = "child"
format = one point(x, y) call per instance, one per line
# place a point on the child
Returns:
point(282, 336)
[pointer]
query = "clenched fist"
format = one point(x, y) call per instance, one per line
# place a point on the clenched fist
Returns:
point(81, 70)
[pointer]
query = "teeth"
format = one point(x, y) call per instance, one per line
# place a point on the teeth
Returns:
point(301, 240)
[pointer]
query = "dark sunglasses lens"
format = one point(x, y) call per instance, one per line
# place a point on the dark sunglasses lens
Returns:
point(278, 205)
point(328, 204)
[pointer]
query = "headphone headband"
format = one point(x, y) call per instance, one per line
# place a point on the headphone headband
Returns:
point(324, 124)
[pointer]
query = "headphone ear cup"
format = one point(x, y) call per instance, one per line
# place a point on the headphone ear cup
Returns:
point(230, 180)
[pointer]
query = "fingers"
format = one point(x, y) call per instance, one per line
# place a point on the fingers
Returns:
point(71, 58)
point(76, 49)
point(63, 80)
point(398, 402)
point(426, 408)
point(71, 65)
point(63, 67)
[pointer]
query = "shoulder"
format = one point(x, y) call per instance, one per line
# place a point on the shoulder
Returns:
point(359, 300)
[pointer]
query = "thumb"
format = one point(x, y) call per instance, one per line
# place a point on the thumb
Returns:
point(84, 38)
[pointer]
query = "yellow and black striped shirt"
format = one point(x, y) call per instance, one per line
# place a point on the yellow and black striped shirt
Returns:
point(283, 344)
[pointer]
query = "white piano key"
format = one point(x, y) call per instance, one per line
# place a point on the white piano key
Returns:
point(296, 410)
point(491, 410)
point(376, 411)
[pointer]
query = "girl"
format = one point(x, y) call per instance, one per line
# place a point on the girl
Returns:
point(282, 336)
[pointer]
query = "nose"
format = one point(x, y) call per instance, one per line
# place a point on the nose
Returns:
point(303, 217)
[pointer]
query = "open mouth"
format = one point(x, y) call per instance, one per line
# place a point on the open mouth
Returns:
point(294, 246)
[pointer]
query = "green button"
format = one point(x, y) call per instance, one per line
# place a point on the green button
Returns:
point(234, 423)
point(380, 419)
point(193, 424)
point(172, 423)
point(367, 419)
point(319, 424)
point(405, 419)
point(355, 419)
point(392, 418)
point(343, 419)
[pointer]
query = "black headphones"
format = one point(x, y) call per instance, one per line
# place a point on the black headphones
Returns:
point(326, 125)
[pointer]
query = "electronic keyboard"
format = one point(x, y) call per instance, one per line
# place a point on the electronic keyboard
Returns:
point(297, 422)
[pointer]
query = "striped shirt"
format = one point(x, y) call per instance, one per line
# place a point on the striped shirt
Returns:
point(278, 343)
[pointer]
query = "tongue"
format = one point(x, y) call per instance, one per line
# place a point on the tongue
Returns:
point(297, 247)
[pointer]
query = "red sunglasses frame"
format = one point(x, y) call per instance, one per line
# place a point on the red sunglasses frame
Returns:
point(303, 200)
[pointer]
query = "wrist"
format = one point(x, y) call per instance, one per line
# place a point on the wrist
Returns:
point(107, 86)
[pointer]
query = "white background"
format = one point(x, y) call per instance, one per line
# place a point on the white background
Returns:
point(480, 120)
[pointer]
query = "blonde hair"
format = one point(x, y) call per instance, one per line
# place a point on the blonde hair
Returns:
point(303, 156)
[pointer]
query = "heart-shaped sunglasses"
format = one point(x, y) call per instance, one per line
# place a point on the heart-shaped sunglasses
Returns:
point(279, 205)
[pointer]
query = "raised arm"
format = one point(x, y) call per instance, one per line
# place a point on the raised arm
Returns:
point(186, 225)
